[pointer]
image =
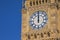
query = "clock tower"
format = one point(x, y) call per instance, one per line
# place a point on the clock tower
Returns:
point(40, 20)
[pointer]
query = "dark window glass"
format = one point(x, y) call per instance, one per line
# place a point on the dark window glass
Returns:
point(46, 1)
point(33, 3)
point(43, 1)
point(48, 34)
point(55, 0)
point(35, 35)
point(37, 2)
point(58, 0)
point(28, 36)
point(41, 34)
point(30, 3)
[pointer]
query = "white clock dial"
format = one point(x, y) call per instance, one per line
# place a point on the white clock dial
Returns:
point(38, 19)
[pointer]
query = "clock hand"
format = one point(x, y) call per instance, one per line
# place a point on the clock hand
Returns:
point(38, 16)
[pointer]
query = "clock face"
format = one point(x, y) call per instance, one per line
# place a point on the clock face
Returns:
point(38, 19)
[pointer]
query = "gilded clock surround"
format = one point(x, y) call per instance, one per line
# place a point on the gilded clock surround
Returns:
point(51, 31)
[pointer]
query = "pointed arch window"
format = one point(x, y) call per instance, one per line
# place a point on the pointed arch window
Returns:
point(37, 2)
point(46, 1)
point(30, 3)
point(42, 1)
point(58, 0)
point(33, 3)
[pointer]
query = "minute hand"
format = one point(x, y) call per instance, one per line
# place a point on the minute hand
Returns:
point(38, 16)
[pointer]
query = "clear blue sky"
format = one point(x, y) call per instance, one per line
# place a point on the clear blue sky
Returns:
point(10, 19)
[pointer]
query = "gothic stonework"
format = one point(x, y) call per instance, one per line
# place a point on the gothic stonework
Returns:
point(38, 30)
